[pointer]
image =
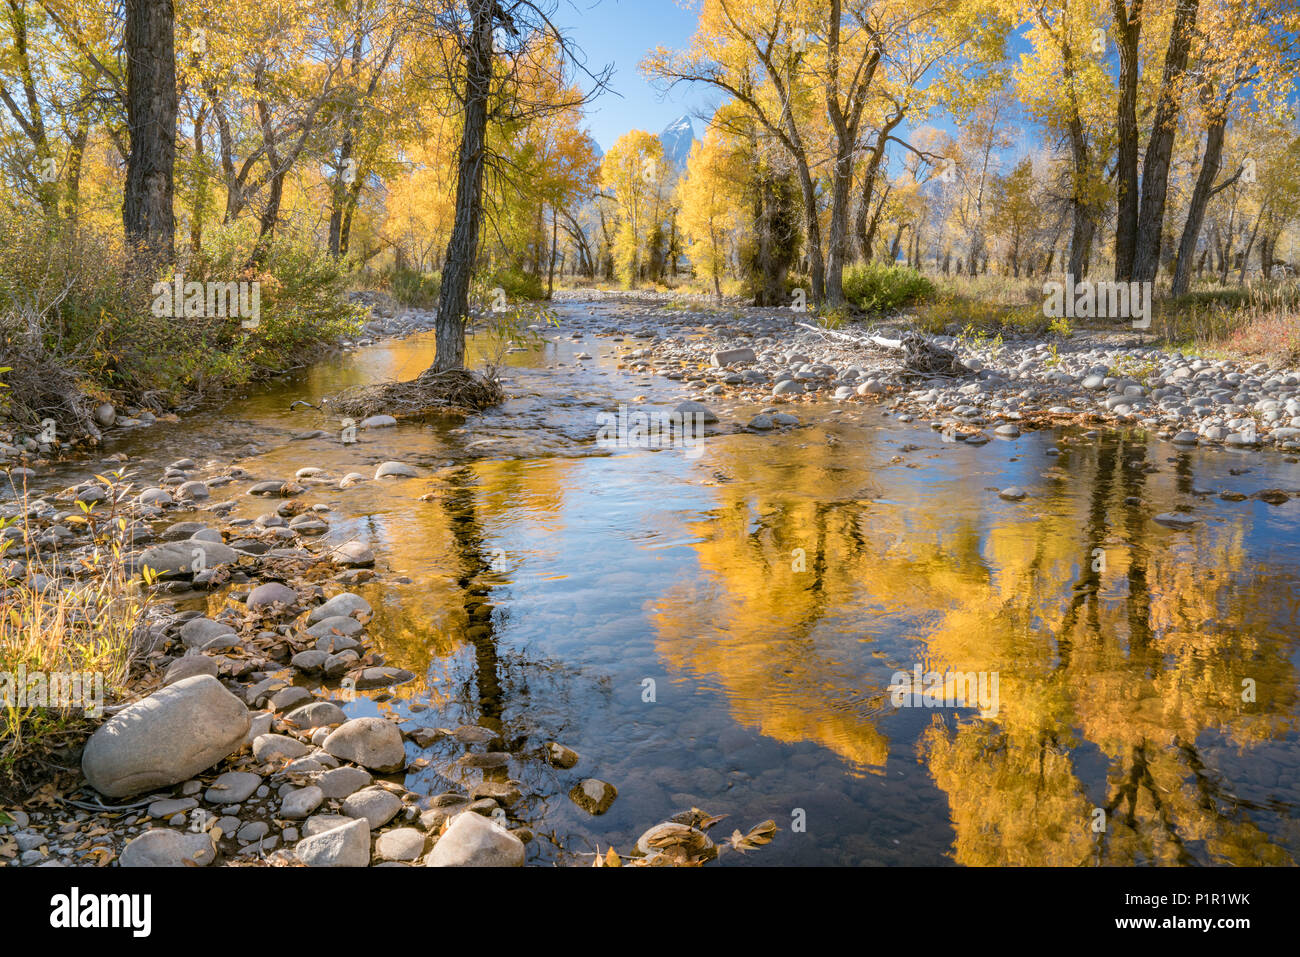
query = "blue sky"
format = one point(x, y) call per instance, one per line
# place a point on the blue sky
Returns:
point(621, 32)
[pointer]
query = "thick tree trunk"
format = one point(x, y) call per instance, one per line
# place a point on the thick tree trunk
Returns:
point(846, 119)
point(1081, 243)
point(1128, 25)
point(1160, 148)
point(339, 195)
point(1081, 204)
point(813, 230)
point(147, 214)
point(838, 240)
point(462, 248)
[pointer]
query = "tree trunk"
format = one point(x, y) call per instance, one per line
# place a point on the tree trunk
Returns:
point(865, 231)
point(812, 227)
point(1160, 148)
point(338, 195)
point(462, 248)
point(838, 240)
point(1200, 200)
point(199, 204)
point(1081, 209)
point(1245, 256)
point(76, 158)
point(869, 239)
point(550, 272)
point(147, 215)
point(1081, 245)
point(1128, 24)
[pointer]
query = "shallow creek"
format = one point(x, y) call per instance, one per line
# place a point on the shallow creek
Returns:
point(722, 630)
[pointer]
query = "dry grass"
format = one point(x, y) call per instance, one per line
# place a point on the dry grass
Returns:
point(85, 621)
point(1260, 321)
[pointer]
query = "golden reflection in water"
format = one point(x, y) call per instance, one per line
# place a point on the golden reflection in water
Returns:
point(1110, 634)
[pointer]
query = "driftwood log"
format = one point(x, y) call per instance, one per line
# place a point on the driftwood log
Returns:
point(920, 358)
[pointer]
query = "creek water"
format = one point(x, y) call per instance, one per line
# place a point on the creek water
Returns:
point(722, 630)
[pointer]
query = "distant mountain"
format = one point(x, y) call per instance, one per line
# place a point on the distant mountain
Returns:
point(678, 137)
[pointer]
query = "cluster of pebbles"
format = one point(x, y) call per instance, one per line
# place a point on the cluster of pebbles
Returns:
point(238, 749)
point(762, 356)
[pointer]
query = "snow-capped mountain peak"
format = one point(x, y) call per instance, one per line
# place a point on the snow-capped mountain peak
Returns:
point(677, 138)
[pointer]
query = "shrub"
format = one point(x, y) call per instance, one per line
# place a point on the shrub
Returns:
point(517, 284)
point(411, 287)
point(884, 288)
point(71, 308)
point(949, 312)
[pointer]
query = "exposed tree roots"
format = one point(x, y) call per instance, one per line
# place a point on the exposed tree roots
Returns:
point(430, 393)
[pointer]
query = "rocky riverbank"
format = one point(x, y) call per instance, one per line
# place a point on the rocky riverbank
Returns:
point(232, 745)
point(237, 748)
point(384, 319)
point(1001, 387)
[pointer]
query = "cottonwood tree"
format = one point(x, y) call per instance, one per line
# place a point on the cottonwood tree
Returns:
point(491, 42)
point(709, 198)
point(365, 109)
point(808, 70)
point(1016, 214)
point(632, 175)
point(757, 53)
point(1140, 214)
point(1064, 85)
point(1243, 64)
point(269, 81)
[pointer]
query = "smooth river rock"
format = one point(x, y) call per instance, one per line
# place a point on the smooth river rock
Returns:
point(344, 605)
point(176, 559)
point(347, 845)
point(472, 840)
point(370, 742)
point(169, 737)
point(168, 847)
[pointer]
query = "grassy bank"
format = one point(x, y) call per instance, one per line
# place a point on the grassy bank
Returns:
point(1258, 320)
point(67, 636)
point(79, 328)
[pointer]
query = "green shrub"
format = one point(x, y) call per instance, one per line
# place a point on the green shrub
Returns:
point(884, 288)
point(518, 285)
point(68, 300)
point(411, 287)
